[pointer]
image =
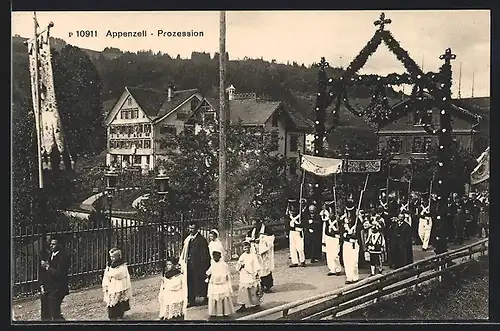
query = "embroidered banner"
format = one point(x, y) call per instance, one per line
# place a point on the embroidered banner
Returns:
point(321, 166)
point(482, 171)
point(364, 165)
point(44, 102)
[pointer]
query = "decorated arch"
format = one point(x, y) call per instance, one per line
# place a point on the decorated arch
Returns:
point(435, 86)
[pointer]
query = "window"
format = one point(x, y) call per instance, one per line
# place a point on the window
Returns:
point(168, 130)
point(427, 144)
point(275, 119)
point(189, 129)
point(417, 145)
point(395, 145)
point(129, 101)
point(194, 103)
point(209, 118)
point(294, 143)
point(147, 143)
point(274, 141)
point(137, 159)
point(422, 116)
point(135, 113)
point(293, 165)
point(147, 130)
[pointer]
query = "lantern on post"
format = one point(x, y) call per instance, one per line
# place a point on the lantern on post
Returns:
point(111, 182)
point(163, 190)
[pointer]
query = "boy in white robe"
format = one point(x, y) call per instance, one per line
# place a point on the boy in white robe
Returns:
point(116, 286)
point(173, 293)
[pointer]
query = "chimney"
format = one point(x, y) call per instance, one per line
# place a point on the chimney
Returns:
point(170, 92)
point(231, 91)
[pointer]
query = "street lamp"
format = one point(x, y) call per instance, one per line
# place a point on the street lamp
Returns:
point(111, 182)
point(162, 188)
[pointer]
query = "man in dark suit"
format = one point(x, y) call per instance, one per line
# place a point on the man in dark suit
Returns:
point(53, 281)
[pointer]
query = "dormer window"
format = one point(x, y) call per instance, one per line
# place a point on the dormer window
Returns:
point(275, 120)
point(422, 116)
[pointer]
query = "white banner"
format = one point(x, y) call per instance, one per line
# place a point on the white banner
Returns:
point(44, 101)
point(482, 171)
point(321, 166)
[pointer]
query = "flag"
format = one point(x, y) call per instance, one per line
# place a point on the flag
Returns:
point(482, 171)
point(321, 166)
point(48, 121)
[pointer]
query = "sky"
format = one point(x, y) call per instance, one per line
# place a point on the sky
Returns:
point(300, 36)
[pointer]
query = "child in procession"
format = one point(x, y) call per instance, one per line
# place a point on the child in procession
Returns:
point(116, 286)
point(375, 247)
point(249, 292)
point(220, 287)
point(172, 296)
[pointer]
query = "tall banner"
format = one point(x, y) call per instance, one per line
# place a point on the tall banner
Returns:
point(482, 171)
point(48, 122)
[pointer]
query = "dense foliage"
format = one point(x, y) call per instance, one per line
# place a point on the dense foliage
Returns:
point(78, 94)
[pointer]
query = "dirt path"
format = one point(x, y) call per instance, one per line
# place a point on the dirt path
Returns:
point(290, 285)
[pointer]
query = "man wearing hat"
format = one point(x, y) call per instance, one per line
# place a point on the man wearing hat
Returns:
point(313, 235)
point(295, 233)
point(401, 242)
point(425, 225)
point(332, 235)
point(350, 247)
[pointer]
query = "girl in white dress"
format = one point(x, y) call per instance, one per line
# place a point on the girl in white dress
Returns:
point(172, 296)
point(220, 287)
point(248, 265)
point(116, 286)
point(215, 244)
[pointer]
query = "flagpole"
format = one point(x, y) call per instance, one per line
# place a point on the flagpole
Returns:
point(37, 111)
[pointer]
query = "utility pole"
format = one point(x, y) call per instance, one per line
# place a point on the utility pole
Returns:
point(460, 82)
point(223, 226)
point(472, 93)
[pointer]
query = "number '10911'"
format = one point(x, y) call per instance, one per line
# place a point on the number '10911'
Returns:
point(86, 33)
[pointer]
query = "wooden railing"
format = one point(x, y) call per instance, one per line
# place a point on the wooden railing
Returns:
point(370, 290)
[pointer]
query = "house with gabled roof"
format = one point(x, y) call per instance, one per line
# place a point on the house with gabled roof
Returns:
point(140, 117)
point(404, 134)
point(286, 126)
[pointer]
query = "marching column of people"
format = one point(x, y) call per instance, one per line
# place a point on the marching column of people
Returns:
point(349, 237)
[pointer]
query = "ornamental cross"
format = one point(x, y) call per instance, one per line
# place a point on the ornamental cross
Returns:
point(323, 64)
point(448, 55)
point(382, 21)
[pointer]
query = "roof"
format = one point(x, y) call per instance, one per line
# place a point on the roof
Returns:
point(251, 111)
point(458, 110)
point(257, 112)
point(151, 101)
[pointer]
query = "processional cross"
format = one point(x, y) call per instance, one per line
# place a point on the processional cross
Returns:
point(382, 21)
point(323, 64)
point(448, 55)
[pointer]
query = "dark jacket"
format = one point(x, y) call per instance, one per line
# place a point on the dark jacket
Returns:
point(56, 277)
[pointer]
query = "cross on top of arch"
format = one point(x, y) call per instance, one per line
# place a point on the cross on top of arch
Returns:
point(448, 55)
point(323, 64)
point(382, 21)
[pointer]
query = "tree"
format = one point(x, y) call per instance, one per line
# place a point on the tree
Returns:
point(78, 91)
point(192, 163)
point(77, 86)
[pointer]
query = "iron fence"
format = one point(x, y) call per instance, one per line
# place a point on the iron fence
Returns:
point(86, 245)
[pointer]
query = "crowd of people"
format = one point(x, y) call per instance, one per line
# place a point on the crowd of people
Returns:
point(348, 238)
point(383, 233)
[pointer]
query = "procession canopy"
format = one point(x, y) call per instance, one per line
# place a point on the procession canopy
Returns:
point(321, 166)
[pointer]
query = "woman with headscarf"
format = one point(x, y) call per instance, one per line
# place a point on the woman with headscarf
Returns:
point(220, 287)
point(172, 296)
point(215, 244)
point(116, 286)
